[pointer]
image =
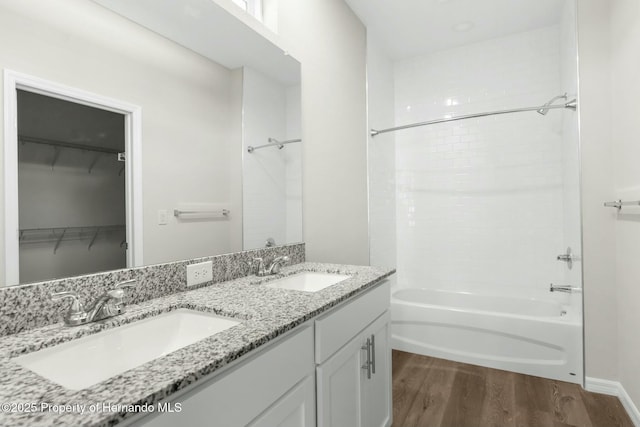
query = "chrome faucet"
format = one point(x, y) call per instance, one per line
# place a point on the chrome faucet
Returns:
point(567, 257)
point(274, 268)
point(276, 264)
point(567, 289)
point(109, 304)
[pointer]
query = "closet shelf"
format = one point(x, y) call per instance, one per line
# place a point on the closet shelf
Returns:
point(60, 234)
point(73, 146)
point(64, 144)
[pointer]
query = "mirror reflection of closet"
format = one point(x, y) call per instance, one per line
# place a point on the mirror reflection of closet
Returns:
point(71, 188)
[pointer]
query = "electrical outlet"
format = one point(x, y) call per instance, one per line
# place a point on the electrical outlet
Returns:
point(199, 273)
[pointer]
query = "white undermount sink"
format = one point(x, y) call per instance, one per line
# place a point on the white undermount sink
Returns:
point(86, 361)
point(308, 281)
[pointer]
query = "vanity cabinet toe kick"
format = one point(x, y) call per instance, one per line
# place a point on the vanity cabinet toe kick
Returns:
point(334, 370)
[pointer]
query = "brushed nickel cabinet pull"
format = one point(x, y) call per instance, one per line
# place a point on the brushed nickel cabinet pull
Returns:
point(367, 364)
point(373, 353)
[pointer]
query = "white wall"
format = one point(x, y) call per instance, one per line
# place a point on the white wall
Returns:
point(185, 102)
point(235, 153)
point(330, 42)
point(598, 224)
point(293, 164)
point(480, 202)
point(609, 39)
point(625, 108)
point(382, 158)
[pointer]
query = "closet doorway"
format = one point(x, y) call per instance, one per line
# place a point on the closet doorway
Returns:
point(73, 205)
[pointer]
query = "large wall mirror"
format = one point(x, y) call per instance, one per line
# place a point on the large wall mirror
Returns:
point(142, 132)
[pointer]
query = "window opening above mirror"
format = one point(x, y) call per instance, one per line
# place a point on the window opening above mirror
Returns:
point(252, 7)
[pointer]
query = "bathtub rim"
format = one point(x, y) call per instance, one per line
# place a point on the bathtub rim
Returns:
point(571, 316)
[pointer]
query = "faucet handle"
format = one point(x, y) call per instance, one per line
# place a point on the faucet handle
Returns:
point(258, 263)
point(126, 284)
point(118, 293)
point(76, 305)
point(276, 264)
point(76, 314)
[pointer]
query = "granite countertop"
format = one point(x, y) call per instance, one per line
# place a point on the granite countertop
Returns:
point(264, 313)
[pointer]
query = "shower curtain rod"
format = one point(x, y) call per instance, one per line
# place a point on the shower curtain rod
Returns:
point(572, 105)
point(273, 142)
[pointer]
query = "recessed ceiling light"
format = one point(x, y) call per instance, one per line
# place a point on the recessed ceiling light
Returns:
point(461, 27)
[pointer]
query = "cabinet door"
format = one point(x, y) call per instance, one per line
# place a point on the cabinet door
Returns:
point(297, 408)
point(237, 396)
point(376, 391)
point(339, 382)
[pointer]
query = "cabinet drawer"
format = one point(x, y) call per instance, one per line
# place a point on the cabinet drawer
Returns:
point(236, 397)
point(339, 326)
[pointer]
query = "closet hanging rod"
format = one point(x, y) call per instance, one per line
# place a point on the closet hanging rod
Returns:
point(73, 146)
point(572, 105)
point(60, 234)
point(618, 204)
point(273, 142)
point(31, 231)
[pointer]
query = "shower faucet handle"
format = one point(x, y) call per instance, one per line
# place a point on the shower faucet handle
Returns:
point(567, 257)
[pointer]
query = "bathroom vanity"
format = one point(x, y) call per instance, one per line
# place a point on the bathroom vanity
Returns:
point(346, 350)
point(292, 358)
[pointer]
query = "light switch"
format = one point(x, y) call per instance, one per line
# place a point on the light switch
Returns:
point(163, 217)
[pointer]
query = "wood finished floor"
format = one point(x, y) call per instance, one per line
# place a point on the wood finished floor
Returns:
point(429, 392)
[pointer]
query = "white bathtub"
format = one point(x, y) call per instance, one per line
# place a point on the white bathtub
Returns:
point(532, 336)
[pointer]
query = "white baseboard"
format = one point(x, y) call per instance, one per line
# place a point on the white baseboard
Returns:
point(597, 385)
point(614, 388)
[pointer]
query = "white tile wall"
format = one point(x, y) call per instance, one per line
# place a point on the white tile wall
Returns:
point(480, 202)
point(272, 178)
point(381, 159)
point(263, 171)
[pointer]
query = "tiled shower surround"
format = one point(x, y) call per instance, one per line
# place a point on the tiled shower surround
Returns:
point(272, 177)
point(29, 306)
point(480, 202)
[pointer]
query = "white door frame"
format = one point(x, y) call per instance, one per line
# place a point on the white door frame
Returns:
point(133, 138)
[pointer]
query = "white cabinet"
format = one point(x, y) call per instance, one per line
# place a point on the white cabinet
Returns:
point(295, 409)
point(340, 387)
point(343, 358)
point(272, 388)
point(376, 391)
point(354, 383)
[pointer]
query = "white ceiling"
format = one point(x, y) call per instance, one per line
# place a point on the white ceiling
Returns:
point(408, 28)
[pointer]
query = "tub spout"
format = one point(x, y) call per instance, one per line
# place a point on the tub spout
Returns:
point(567, 289)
